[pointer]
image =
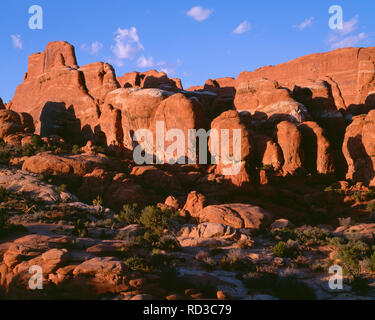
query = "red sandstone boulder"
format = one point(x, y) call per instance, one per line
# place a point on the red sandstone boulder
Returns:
point(178, 112)
point(317, 149)
point(236, 215)
point(110, 123)
point(195, 203)
point(359, 149)
point(266, 98)
point(230, 121)
point(10, 123)
point(267, 152)
point(154, 178)
point(100, 78)
point(289, 139)
point(138, 108)
point(63, 166)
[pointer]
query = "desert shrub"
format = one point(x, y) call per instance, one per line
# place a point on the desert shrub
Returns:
point(155, 219)
point(334, 190)
point(287, 249)
point(28, 150)
point(371, 206)
point(80, 229)
point(98, 201)
point(76, 149)
point(130, 214)
point(283, 234)
point(360, 285)
point(235, 261)
point(61, 188)
point(350, 255)
point(138, 264)
point(168, 243)
point(312, 236)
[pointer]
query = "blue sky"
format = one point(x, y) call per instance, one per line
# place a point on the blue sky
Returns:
point(191, 40)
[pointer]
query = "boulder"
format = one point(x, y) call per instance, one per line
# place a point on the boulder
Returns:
point(289, 139)
point(195, 203)
point(267, 99)
point(267, 152)
point(236, 215)
point(319, 157)
point(10, 123)
point(358, 149)
point(233, 163)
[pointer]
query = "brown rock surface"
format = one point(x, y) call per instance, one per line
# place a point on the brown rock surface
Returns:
point(236, 215)
point(317, 149)
point(352, 69)
point(289, 139)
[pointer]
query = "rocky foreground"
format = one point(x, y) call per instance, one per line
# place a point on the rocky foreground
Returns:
point(74, 202)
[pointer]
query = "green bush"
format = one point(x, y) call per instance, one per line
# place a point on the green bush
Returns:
point(168, 243)
point(80, 229)
point(351, 254)
point(286, 249)
point(155, 219)
point(130, 214)
point(138, 264)
point(76, 149)
point(28, 150)
point(312, 236)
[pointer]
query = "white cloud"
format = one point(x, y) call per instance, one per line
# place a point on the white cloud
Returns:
point(169, 69)
point(127, 44)
point(349, 26)
point(346, 37)
point(199, 14)
point(242, 28)
point(144, 62)
point(350, 41)
point(306, 23)
point(93, 48)
point(17, 41)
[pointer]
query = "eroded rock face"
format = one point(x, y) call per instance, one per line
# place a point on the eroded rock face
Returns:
point(265, 98)
point(289, 139)
point(178, 112)
point(149, 79)
point(359, 149)
point(236, 215)
point(352, 69)
point(230, 121)
point(317, 148)
point(267, 152)
point(63, 166)
point(10, 123)
point(100, 78)
point(138, 108)
point(54, 81)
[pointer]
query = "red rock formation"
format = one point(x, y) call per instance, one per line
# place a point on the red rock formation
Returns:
point(267, 151)
point(289, 139)
point(138, 108)
point(149, 79)
point(266, 98)
point(352, 69)
point(359, 149)
point(317, 149)
point(100, 78)
point(54, 78)
point(231, 120)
